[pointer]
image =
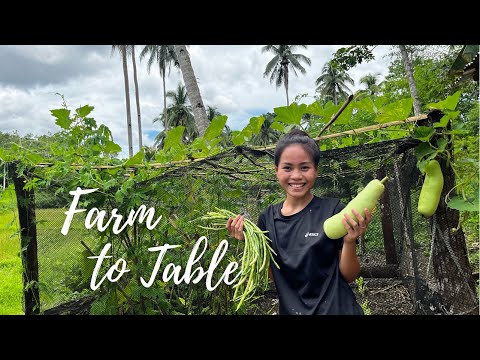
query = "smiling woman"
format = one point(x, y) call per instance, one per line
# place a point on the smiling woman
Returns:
point(314, 271)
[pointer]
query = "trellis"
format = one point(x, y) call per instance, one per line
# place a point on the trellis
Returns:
point(399, 254)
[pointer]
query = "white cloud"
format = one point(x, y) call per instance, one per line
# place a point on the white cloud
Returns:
point(230, 78)
point(47, 54)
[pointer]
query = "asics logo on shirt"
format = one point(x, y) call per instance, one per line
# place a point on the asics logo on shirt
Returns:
point(311, 234)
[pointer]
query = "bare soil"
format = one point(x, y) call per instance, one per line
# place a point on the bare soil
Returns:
point(384, 297)
point(387, 296)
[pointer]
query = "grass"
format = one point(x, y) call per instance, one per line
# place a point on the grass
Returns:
point(57, 255)
point(10, 262)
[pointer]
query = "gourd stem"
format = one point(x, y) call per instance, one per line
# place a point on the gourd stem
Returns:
point(384, 180)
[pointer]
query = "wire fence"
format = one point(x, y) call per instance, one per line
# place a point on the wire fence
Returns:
point(397, 247)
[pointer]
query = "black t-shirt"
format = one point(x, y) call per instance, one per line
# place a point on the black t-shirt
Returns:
point(309, 280)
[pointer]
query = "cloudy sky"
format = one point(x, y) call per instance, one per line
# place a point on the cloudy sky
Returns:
point(230, 78)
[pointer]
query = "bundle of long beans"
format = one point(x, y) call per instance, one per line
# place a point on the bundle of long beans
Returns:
point(256, 257)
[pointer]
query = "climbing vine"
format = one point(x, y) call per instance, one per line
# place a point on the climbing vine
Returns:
point(84, 154)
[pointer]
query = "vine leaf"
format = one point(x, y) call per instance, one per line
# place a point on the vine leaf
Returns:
point(215, 128)
point(394, 111)
point(112, 147)
point(291, 114)
point(460, 204)
point(278, 126)
point(450, 103)
point(84, 110)
point(445, 119)
point(173, 137)
point(63, 117)
point(423, 133)
point(135, 159)
point(240, 137)
point(255, 124)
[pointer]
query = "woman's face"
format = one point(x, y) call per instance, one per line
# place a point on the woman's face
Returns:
point(296, 171)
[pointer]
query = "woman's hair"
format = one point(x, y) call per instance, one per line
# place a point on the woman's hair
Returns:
point(297, 137)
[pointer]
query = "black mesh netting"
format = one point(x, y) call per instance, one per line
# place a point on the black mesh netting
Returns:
point(394, 254)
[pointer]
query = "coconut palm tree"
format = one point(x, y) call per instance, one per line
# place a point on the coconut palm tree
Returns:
point(371, 86)
point(370, 82)
point(284, 60)
point(267, 135)
point(164, 56)
point(179, 112)
point(331, 83)
point(192, 88)
point(212, 112)
point(122, 49)
point(137, 96)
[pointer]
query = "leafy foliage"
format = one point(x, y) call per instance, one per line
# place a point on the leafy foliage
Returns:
point(348, 57)
point(84, 154)
point(435, 143)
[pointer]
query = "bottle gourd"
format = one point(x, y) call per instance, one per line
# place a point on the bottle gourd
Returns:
point(367, 198)
point(431, 189)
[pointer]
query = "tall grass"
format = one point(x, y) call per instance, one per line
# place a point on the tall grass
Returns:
point(58, 255)
point(10, 261)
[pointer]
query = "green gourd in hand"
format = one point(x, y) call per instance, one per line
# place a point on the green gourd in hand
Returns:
point(431, 189)
point(367, 198)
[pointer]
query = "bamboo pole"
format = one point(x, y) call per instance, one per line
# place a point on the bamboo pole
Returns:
point(318, 138)
point(334, 117)
point(373, 127)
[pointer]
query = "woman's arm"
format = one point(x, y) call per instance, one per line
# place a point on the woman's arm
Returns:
point(349, 263)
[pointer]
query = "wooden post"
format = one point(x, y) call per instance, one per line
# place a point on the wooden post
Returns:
point(4, 176)
point(409, 268)
point(28, 243)
point(387, 223)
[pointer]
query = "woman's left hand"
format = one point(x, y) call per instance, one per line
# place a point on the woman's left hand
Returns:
point(355, 229)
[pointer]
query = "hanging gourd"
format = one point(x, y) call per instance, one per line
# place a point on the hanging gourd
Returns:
point(431, 189)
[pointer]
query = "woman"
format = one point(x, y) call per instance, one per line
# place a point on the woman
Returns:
point(314, 271)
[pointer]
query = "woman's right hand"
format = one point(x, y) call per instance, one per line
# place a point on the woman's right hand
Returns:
point(235, 227)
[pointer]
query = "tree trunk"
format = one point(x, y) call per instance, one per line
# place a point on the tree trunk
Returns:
point(137, 98)
point(164, 97)
point(127, 100)
point(286, 85)
point(411, 80)
point(193, 91)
